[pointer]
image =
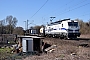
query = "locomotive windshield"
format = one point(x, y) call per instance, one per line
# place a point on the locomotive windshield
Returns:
point(73, 24)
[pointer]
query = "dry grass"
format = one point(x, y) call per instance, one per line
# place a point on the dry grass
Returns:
point(65, 50)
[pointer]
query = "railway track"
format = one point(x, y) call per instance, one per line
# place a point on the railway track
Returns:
point(69, 41)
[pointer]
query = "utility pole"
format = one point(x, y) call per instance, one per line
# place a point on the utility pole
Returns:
point(27, 24)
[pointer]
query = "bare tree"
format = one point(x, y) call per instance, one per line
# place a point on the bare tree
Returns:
point(11, 21)
point(2, 23)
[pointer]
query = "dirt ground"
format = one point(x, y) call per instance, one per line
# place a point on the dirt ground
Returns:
point(74, 49)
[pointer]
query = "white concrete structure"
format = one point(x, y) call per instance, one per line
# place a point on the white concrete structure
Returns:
point(31, 43)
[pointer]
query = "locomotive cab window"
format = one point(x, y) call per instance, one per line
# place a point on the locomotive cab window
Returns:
point(73, 24)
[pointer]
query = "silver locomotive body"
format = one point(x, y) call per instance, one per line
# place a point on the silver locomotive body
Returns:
point(62, 28)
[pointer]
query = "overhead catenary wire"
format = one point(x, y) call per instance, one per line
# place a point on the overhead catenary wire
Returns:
point(84, 15)
point(61, 6)
point(37, 12)
point(56, 9)
point(75, 8)
point(69, 8)
point(66, 4)
point(72, 7)
point(39, 9)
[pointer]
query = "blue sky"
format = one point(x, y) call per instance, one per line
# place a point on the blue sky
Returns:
point(61, 9)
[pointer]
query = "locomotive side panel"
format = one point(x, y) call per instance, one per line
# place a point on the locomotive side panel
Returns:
point(63, 29)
